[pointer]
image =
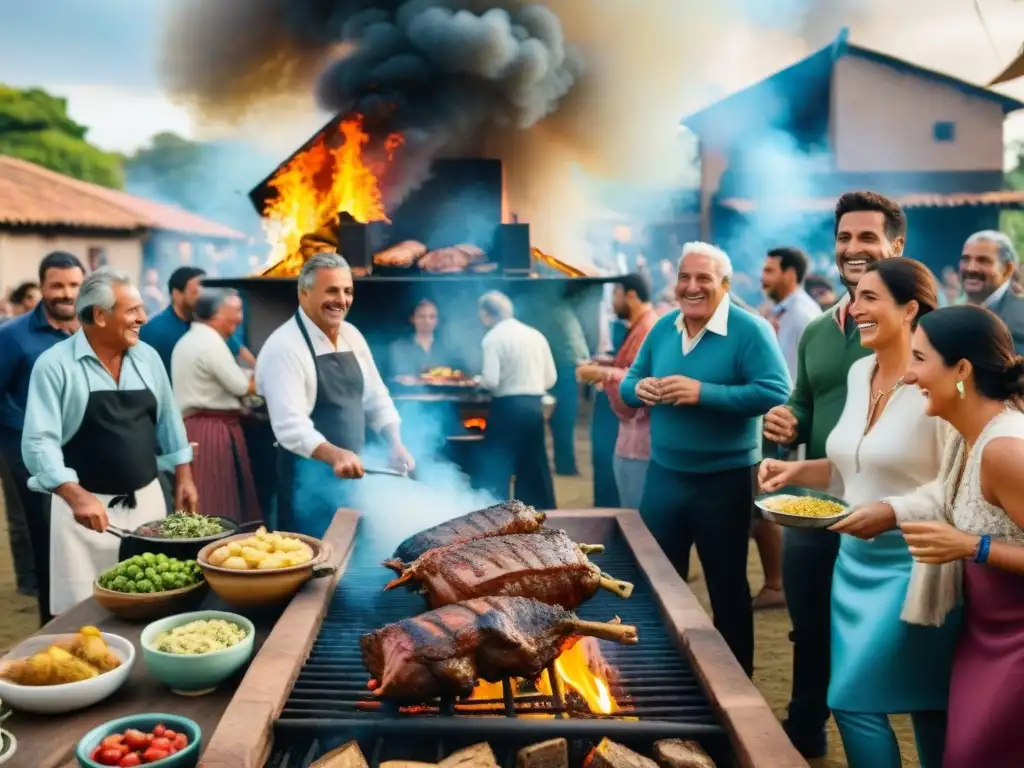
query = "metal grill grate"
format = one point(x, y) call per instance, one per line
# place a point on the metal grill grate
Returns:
point(658, 694)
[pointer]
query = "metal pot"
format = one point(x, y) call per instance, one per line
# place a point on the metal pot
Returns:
point(184, 549)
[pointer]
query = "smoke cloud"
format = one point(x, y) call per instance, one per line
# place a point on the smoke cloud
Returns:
point(560, 92)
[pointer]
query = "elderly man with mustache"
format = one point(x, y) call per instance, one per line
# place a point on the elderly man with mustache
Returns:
point(322, 388)
point(708, 371)
point(987, 265)
point(99, 407)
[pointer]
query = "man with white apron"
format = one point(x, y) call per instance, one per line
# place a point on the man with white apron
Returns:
point(98, 404)
point(322, 390)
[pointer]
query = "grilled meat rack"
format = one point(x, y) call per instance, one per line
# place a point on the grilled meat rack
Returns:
point(659, 695)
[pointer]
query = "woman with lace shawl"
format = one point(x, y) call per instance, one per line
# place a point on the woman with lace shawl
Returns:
point(965, 530)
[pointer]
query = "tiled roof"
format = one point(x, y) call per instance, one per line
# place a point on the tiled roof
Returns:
point(1001, 199)
point(31, 195)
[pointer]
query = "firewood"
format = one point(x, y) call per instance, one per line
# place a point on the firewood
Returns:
point(406, 764)
point(610, 754)
point(676, 753)
point(348, 755)
point(545, 754)
point(476, 756)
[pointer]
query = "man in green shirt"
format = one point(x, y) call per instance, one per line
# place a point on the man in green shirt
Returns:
point(868, 228)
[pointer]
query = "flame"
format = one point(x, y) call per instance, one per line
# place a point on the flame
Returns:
point(475, 423)
point(319, 184)
point(581, 668)
point(561, 266)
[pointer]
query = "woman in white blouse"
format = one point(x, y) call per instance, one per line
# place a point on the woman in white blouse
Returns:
point(884, 444)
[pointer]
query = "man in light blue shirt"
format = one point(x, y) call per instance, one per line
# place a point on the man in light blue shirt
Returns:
point(98, 404)
point(782, 279)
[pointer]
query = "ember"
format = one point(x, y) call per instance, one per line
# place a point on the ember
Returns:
point(475, 423)
point(321, 184)
point(582, 670)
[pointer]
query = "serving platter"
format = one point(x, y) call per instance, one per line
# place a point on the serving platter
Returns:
point(799, 521)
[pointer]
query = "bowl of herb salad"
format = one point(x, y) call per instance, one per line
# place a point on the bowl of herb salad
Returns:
point(179, 535)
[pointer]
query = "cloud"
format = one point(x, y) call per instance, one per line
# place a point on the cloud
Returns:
point(122, 119)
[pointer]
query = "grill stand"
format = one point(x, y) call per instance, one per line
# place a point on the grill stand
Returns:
point(244, 737)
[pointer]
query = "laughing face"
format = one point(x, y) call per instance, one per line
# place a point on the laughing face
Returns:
point(933, 377)
point(700, 287)
point(879, 318)
point(861, 240)
point(327, 303)
point(982, 271)
point(60, 292)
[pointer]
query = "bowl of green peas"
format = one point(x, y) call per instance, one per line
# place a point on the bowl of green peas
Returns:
point(150, 586)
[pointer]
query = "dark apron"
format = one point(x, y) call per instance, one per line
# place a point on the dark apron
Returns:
point(113, 454)
point(309, 493)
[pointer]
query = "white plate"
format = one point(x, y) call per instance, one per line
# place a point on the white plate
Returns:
point(8, 746)
point(57, 699)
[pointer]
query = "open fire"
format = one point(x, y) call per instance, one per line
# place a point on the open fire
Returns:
point(581, 671)
point(319, 185)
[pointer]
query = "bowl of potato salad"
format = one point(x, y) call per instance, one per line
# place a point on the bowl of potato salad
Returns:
point(265, 567)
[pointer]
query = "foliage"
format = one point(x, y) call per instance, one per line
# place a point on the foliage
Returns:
point(35, 126)
point(1012, 222)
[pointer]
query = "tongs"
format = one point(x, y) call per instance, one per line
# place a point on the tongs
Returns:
point(387, 471)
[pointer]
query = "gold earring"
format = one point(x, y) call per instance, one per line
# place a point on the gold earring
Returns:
point(960, 389)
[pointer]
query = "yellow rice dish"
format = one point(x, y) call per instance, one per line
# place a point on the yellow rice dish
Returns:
point(804, 506)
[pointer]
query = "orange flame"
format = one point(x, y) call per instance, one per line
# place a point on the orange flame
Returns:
point(581, 668)
point(561, 266)
point(319, 184)
point(476, 422)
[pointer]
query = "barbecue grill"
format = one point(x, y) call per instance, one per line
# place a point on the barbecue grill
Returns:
point(679, 682)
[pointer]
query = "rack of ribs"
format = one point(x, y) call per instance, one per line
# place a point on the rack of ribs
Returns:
point(501, 519)
point(445, 652)
point(546, 565)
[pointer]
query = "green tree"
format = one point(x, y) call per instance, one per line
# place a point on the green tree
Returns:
point(1012, 222)
point(35, 126)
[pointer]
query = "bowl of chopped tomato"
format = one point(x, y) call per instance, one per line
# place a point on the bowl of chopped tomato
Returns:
point(168, 741)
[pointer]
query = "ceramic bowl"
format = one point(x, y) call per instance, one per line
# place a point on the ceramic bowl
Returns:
point(195, 675)
point(763, 502)
point(150, 605)
point(264, 587)
point(186, 758)
point(57, 699)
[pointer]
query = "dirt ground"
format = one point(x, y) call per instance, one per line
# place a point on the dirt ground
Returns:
point(773, 649)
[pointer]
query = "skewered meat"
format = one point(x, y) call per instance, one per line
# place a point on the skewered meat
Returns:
point(455, 258)
point(508, 517)
point(403, 254)
point(446, 651)
point(546, 565)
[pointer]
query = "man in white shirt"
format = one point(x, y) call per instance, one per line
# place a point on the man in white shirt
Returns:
point(518, 369)
point(208, 384)
point(323, 389)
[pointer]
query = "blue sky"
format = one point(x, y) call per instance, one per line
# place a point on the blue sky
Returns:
point(102, 55)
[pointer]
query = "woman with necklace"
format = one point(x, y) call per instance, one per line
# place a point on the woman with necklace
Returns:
point(967, 527)
point(885, 444)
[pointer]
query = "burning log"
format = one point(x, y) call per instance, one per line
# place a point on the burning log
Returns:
point(545, 754)
point(348, 755)
point(476, 756)
point(611, 754)
point(676, 753)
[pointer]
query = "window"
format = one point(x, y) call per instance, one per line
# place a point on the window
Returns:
point(944, 131)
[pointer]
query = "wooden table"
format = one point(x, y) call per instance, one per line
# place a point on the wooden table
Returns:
point(49, 741)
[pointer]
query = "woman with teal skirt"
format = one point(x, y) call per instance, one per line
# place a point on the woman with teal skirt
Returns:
point(884, 445)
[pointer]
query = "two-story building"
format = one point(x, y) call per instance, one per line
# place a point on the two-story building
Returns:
point(775, 156)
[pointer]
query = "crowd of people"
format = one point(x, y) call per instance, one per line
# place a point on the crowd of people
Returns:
point(889, 398)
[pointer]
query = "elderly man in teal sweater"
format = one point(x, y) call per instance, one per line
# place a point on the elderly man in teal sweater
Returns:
point(709, 370)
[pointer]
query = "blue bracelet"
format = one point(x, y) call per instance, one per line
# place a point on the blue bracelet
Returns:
point(981, 552)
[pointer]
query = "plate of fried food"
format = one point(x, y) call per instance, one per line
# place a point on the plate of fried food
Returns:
point(797, 507)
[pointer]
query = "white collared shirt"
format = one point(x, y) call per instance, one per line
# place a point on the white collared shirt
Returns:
point(718, 324)
point(794, 313)
point(997, 295)
point(204, 373)
point(286, 379)
point(517, 360)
